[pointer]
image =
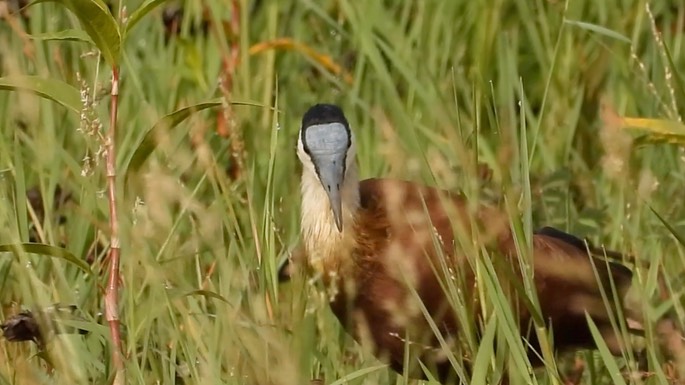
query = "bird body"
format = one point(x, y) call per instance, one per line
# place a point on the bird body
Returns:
point(385, 247)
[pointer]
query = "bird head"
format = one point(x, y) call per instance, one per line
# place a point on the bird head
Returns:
point(326, 148)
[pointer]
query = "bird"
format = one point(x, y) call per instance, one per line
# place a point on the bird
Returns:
point(378, 244)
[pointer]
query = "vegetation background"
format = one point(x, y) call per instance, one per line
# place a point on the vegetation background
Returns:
point(575, 106)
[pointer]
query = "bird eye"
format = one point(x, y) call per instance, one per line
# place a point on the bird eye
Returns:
point(329, 187)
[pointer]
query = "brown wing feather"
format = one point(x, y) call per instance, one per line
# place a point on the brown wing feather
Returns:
point(396, 247)
point(620, 274)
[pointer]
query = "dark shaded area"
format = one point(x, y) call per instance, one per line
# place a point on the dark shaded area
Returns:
point(38, 326)
point(22, 327)
point(172, 18)
point(60, 198)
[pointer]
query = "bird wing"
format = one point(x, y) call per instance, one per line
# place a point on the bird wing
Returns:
point(395, 221)
point(576, 248)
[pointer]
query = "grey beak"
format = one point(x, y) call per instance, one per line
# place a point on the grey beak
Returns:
point(332, 174)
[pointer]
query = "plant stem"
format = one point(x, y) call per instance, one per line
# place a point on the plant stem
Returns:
point(112, 291)
point(226, 125)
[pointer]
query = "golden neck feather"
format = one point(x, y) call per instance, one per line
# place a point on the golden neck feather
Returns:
point(327, 248)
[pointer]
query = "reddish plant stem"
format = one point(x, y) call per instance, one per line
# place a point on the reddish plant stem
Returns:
point(112, 290)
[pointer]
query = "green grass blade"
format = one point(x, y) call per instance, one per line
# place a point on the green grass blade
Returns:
point(357, 374)
point(150, 141)
point(598, 29)
point(77, 35)
point(485, 353)
point(655, 126)
point(678, 236)
point(48, 88)
point(204, 293)
point(140, 12)
point(46, 250)
point(608, 359)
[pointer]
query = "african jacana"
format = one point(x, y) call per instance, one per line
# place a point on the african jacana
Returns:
point(378, 243)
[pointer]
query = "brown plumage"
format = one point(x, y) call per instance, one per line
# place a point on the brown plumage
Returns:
point(379, 241)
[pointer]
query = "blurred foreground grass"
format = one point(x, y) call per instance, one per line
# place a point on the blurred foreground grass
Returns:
point(430, 87)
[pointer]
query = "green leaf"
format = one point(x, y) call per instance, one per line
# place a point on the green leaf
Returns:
point(598, 29)
point(605, 354)
point(65, 35)
point(98, 23)
point(679, 85)
point(357, 374)
point(658, 131)
point(485, 353)
point(47, 250)
point(652, 139)
point(508, 322)
point(680, 237)
point(655, 126)
point(139, 13)
point(149, 141)
point(205, 293)
point(52, 89)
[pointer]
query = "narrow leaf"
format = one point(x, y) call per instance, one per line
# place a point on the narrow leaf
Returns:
point(98, 23)
point(356, 374)
point(655, 126)
point(607, 357)
point(680, 237)
point(140, 12)
point(52, 89)
point(205, 293)
point(47, 250)
point(65, 35)
point(648, 139)
point(679, 85)
point(288, 44)
point(485, 353)
point(598, 29)
point(149, 141)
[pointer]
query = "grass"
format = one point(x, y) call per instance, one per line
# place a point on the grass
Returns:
point(532, 88)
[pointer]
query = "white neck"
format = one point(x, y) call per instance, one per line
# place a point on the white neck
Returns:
point(327, 247)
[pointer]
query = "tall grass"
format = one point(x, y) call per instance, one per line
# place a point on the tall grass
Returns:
point(532, 88)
